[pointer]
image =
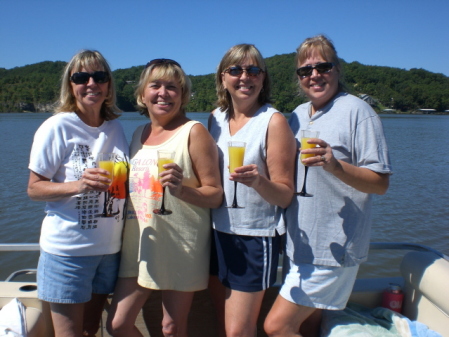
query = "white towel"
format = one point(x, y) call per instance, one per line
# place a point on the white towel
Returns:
point(13, 319)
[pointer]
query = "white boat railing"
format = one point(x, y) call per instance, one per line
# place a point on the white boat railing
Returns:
point(406, 246)
point(19, 247)
point(24, 247)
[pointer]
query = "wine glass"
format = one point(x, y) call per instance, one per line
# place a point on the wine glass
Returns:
point(163, 157)
point(106, 161)
point(305, 136)
point(236, 154)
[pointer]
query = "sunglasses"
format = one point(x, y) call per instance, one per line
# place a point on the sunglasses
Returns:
point(322, 68)
point(83, 78)
point(162, 61)
point(238, 71)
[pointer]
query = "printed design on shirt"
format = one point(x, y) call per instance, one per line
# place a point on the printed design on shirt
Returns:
point(81, 159)
point(145, 188)
point(116, 191)
point(93, 206)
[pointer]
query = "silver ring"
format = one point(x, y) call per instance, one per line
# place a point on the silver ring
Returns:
point(323, 158)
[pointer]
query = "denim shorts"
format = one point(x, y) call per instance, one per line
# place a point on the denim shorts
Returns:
point(73, 279)
point(321, 287)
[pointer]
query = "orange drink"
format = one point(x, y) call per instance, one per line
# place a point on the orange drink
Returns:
point(304, 146)
point(236, 155)
point(236, 151)
point(163, 157)
point(106, 162)
point(161, 162)
point(305, 136)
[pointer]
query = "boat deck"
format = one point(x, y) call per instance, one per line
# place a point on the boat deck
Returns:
point(202, 320)
point(424, 273)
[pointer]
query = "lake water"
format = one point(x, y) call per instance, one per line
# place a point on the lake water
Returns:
point(415, 209)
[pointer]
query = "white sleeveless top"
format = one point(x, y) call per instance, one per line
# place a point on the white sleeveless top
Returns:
point(258, 218)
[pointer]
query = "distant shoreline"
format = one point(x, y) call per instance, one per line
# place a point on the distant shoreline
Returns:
point(379, 113)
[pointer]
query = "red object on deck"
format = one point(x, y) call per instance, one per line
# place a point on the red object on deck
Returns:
point(392, 298)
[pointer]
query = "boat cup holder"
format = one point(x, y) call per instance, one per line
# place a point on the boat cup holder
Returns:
point(28, 287)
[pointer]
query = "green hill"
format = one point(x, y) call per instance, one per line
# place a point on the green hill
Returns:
point(35, 87)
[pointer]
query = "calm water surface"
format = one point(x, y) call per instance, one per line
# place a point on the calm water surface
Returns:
point(415, 208)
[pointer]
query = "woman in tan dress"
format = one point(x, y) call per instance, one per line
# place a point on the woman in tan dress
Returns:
point(166, 252)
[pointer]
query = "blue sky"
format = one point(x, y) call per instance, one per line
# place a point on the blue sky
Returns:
point(395, 33)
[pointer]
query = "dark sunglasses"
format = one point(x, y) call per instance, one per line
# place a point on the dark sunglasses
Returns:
point(83, 78)
point(322, 68)
point(162, 61)
point(238, 71)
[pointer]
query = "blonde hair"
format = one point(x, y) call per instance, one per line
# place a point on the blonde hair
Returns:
point(163, 70)
point(234, 56)
point(326, 49)
point(87, 59)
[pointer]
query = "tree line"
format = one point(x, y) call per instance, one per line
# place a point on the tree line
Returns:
point(35, 87)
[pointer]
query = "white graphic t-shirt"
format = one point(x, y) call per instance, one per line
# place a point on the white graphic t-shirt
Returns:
point(89, 223)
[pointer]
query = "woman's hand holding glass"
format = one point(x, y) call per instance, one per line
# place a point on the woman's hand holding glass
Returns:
point(320, 154)
point(247, 175)
point(171, 178)
point(94, 179)
point(170, 175)
point(307, 137)
point(164, 159)
point(106, 161)
point(236, 154)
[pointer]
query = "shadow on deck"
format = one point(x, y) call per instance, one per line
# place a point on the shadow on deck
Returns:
point(202, 319)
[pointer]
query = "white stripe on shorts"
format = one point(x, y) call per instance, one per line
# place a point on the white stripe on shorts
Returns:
point(268, 252)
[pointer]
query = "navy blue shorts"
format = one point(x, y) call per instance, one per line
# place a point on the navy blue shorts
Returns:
point(245, 263)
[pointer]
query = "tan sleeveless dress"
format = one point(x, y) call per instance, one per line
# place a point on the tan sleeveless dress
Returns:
point(169, 252)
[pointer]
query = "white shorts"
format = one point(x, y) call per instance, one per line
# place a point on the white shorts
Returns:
point(321, 287)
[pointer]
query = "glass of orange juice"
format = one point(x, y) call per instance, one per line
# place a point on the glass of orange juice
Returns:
point(163, 157)
point(305, 136)
point(236, 155)
point(106, 161)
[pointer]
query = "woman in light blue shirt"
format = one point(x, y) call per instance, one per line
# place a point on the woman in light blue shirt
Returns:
point(328, 234)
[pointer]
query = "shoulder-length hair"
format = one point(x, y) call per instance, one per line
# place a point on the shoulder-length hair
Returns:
point(234, 56)
point(326, 49)
point(87, 59)
point(168, 70)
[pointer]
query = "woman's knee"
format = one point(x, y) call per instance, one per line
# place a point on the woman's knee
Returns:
point(271, 327)
point(238, 330)
point(116, 327)
point(169, 328)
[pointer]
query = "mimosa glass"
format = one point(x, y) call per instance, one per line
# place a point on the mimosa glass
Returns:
point(106, 161)
point(305, 136)
point(236, 155)
point(163, 157)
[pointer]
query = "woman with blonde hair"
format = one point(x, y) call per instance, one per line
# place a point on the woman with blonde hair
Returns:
point(167, 252)
point(79, 258)
point(328, 233)
point(248, 239)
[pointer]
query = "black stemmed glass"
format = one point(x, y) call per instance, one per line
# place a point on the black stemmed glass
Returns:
point(106, 161)
point(305, 136)
point(303, 192)
point(236, 153)
point(163, 157)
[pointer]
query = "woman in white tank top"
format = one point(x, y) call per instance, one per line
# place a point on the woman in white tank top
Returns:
point(265, 186)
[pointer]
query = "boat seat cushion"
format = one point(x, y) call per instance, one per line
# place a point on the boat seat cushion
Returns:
point(426, 289)
point(35, 322)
